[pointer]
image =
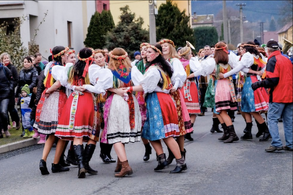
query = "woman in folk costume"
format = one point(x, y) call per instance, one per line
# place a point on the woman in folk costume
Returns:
point(161, 123)
point(121, 111)
point(189, 90)
point(225, 98)
point(252, 102)
point(178, 78)
point(49, 109)
point(78, 121)
point(105, 153)
point(141, 101)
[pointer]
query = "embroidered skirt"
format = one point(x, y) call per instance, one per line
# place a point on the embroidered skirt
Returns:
point(117, 122)
point(191, 97)
point(79, 118)
point(49, 112)
point(142, 106)
point(162, 120)
point(253, 101)
point(225, 98)
point(186, 118)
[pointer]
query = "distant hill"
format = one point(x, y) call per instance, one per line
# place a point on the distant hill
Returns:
point(254, 11)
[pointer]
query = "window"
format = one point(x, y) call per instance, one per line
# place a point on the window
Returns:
point(104, 6)
point(69, 33)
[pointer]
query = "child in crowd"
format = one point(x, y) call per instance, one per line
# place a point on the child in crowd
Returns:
point(26, 111)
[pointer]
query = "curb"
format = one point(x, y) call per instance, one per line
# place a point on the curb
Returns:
point(18, 145)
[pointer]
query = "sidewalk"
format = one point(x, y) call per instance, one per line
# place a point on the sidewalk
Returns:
point(17, 145)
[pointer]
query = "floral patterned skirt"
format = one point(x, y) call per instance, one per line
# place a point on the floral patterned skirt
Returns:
point(162, 122)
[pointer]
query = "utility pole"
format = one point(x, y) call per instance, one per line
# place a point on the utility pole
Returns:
point(225, 25)
point(261, 33)
point(241, 20)
point(153, 36)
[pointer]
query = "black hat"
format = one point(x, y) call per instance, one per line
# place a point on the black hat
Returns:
point(273, 44)
point(256, 42)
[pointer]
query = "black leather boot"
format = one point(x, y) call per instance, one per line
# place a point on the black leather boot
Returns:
point(183, 154)
point(180, 163)
point(232, 135)
point(62, 162)
point(88, 153)
point(225, 134)
point(266, 134)
point(105, 153)
point(170, 157)
point(70, 159)
point(78, 149)
point(148, 151)
point(188, 136)
point(260, 131)
point(56, 168)
point(162, 163)
point(43, 167)
point(215, 126)
point(248, 134)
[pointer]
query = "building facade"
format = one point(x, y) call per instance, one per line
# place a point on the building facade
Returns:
point(141, 8)
point(65, 24)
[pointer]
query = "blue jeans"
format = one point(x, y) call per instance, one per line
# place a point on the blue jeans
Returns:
point(276, 111)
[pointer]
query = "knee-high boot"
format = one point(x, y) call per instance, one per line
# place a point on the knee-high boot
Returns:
point(248, 134)
point(78, 149)
point(232, 135)
point(215, 126)
point(88, 153)
point(225, 134)
point(266, 134)
point(148, 151)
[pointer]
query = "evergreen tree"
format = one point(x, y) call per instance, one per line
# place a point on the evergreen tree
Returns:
point(206, 35)
point(128, 34)
point(100, 24)
point(273, 26)
point(173, 24)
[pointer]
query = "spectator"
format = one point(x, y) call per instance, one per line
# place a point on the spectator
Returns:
point(26, 111)
point(5, 59)
point(28, 75)
point(137, 57)
point(279, 79)
point(38, 62)
point(6, 86)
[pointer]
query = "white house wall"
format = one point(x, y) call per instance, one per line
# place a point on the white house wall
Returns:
point(53, 31)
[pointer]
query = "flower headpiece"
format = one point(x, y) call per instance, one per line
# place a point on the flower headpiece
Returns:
point(60, 53)
point(167, 41)
point(123, 57)
point(87, 60)
point(155, 48)
point(143, 44)
point(70, 52)
point(249, 45)
point(222, 48)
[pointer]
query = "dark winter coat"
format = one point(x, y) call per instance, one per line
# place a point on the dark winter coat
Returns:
point(29, 77)
point(6, 82)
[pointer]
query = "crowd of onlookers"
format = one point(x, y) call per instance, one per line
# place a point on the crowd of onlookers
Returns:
point(19, 88)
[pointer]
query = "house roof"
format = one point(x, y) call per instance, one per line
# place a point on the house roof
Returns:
point(8, 3)
point(203, 19)
point(285, 28)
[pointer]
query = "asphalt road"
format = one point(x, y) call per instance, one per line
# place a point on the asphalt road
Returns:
point(214, 168)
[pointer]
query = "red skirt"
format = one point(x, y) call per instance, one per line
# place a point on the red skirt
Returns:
point(261, 97)
point(192, 103)
point(80, 124)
